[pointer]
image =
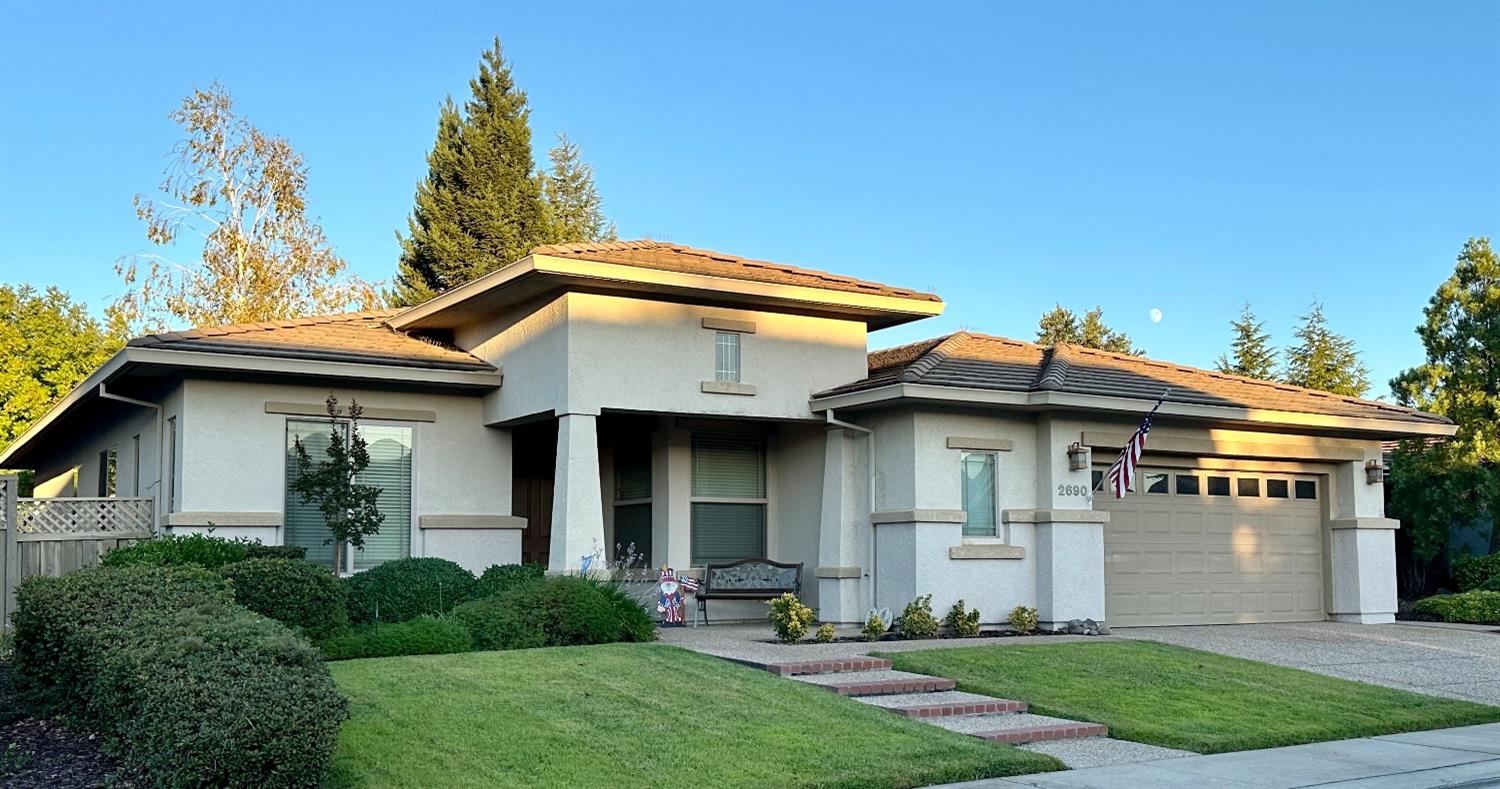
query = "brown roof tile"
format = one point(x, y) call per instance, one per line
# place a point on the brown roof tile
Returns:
point(665, 256)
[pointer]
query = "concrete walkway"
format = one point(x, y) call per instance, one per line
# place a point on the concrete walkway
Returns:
point(1468, 756)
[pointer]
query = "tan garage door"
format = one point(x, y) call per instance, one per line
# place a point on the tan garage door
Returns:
point(1213, 547)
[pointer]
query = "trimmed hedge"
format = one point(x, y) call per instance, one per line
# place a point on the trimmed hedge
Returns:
point(1474, 572)
point(425, 635)
point(193, 689)
point(1477, 607)
point(295, 592)
point(407, 588)
point(556, 611)
point(179, 549)
point(501, 578)
point(256, 550)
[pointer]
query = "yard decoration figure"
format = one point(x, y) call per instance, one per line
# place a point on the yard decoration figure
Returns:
point(669, 601)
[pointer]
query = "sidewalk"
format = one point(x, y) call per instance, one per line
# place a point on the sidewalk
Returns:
point(1466, 756)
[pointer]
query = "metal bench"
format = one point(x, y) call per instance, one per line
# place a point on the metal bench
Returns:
point(747, 579)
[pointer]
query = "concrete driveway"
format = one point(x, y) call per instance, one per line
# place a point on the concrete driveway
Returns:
point(1456, 661)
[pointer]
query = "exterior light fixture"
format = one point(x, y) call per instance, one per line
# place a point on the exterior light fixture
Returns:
point(1374, 472)
point(1078, 457)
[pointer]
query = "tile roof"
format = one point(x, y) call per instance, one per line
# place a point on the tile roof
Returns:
point(352, 336)
point(666, 256)
point(978, 361)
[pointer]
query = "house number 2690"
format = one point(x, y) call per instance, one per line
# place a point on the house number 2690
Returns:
point(1072, 490)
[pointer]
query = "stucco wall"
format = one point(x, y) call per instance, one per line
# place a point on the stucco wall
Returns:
point(116, 425)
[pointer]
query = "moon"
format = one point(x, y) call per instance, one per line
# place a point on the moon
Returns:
point(1155, 314)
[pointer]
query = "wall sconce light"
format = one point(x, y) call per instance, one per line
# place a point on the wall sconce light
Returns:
point(1078, 457)
point(1374, 472)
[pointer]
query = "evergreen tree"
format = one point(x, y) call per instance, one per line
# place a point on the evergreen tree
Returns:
point(1251, 346)
point(480, 206)
point(1060, 325)
point(577, 211)
point(1324, 360)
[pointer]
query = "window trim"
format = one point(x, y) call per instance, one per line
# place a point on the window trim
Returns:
point(996, 530)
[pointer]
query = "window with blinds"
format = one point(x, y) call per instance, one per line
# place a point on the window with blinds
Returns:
point(390, 470)
point(633, 499)
point(728, 498)
point(979, 494)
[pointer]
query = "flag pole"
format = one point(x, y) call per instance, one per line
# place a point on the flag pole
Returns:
point(1095, 488)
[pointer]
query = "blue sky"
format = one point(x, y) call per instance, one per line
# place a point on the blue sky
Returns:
point(1171, 155)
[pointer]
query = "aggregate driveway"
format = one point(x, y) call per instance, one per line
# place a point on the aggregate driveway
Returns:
point(1455, 661)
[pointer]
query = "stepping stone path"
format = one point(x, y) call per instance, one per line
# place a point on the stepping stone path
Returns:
point(933, 699)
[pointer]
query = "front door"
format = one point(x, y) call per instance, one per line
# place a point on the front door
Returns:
point(533, 464)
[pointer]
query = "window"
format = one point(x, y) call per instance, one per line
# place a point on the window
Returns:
point(979, 493)
point(390, 469)
point(633, 499)
point(1099, 483)
point(727, 357)
point(1218, 486)
point(1187, 484)
point(172, 482)
point(728, 498)
point(1248, 487)
point(108, 462)
point(1156, 482)
point(135, 464)
point(1306, 489)
point(1276, 488)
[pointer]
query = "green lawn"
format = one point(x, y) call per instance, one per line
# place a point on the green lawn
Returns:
point(1183, 698)
point(631, 715)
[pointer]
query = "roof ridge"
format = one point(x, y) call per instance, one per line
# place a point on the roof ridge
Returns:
point(934, 356)
point(1053, 371)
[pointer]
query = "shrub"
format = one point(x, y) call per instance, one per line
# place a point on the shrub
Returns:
point(1477, 607)
point(425, 635)
point(636, 625)
point(790, 618)
point(874, 627)
point(1022, 619)
point(179, 549)
point(257, 550)
point(501, 578)
point(916, 620)
point(556, 611)
point(1473, 572)
point(295, 592)
point(1492, 585)
point(825, 633)
point(965, 624)
point(406, 588)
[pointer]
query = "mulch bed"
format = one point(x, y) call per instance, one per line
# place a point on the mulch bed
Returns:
point(983, 634)
point(37, 752)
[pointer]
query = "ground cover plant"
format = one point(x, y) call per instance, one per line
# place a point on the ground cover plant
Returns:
point(1183, 698)
point(627, 715)
point(1479, 607)
point(425, 635)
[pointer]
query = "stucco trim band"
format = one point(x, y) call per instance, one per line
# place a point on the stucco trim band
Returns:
point(838, 572)
point(271, 519)
point(471, 522)
point(729, 324)
point(986, 551)
point(917, 516)
point(1364, 523)
point(727, 387)
point(986, 444)
point(320, 409)
point(1054, 516)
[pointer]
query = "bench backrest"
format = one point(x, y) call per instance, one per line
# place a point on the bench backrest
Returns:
point(753, 576)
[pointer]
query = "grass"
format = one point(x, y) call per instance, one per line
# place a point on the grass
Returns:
point(1183, 698)
point(631, 715)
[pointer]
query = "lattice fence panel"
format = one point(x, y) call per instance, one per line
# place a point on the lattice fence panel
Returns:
point(84, 515)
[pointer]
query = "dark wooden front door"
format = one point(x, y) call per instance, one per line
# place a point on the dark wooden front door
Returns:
point(533, 464)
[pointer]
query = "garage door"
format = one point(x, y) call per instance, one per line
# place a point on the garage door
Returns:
point(1190, 547)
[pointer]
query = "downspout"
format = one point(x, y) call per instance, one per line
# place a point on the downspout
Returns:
point(833, 421)
point(160, 449)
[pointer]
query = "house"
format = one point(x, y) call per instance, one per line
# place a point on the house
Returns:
point(706, 408)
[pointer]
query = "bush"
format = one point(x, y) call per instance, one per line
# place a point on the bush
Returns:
point(1022, 619)
point(1477, 607)
point(501, 578)
point(425, 635)
point(825, 633)
point(636, 625)
point(790, 618)
point(874, 627)
point(916, 620)
point(407, 588)
point(1492, 585)
point(1473, 572)
point(257, 550)
point(556, 611)
point(174, 550)
point(964, 624)
point(295, 592)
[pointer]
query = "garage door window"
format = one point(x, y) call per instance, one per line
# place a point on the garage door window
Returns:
point(1249, 487)
point(1276, 489)
point(1156, 482)
point(1218, 486)
point(1306, 489)
point(979, 494)
point(1187, 484)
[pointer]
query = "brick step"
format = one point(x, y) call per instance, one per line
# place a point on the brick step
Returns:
point(1017, 728)
point(831, 666)
point(879, 682)
point(943, 704)
point(1069, 731)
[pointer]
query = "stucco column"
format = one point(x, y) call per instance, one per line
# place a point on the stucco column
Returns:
point(1361, 548)
point(577, 497)
point(842, 532)
point(1069, 564)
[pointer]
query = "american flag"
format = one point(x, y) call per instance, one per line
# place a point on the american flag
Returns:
point(689, 584)
point(1123, 471)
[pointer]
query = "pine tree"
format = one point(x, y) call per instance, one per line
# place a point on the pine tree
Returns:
point(1325, 360)
point(480, 206)
point(1251, 346)
point(1060, 325)
point(577, 211)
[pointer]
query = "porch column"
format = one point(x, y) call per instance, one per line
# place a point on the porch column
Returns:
point(1361, 547)
point(842, 533)
point(577, 496)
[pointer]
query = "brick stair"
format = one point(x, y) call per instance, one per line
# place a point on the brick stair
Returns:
point(876, 682)
point(835, 666)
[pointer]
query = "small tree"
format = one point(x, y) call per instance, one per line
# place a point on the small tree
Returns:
point(349, 508)
point(1253, 356)
point(1061, 325)
point(1324, 360)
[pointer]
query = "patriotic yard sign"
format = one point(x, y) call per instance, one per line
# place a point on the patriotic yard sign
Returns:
point(1123, 470)
point(669, 602)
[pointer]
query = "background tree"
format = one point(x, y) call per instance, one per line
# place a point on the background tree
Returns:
point(48, 345)
point(244, 192)
point(1251, 346)
point(349, 509)
point(1324, 360)
point(577, 211)
point(480, 206)
point(1060, 325)
point(1457, 480)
